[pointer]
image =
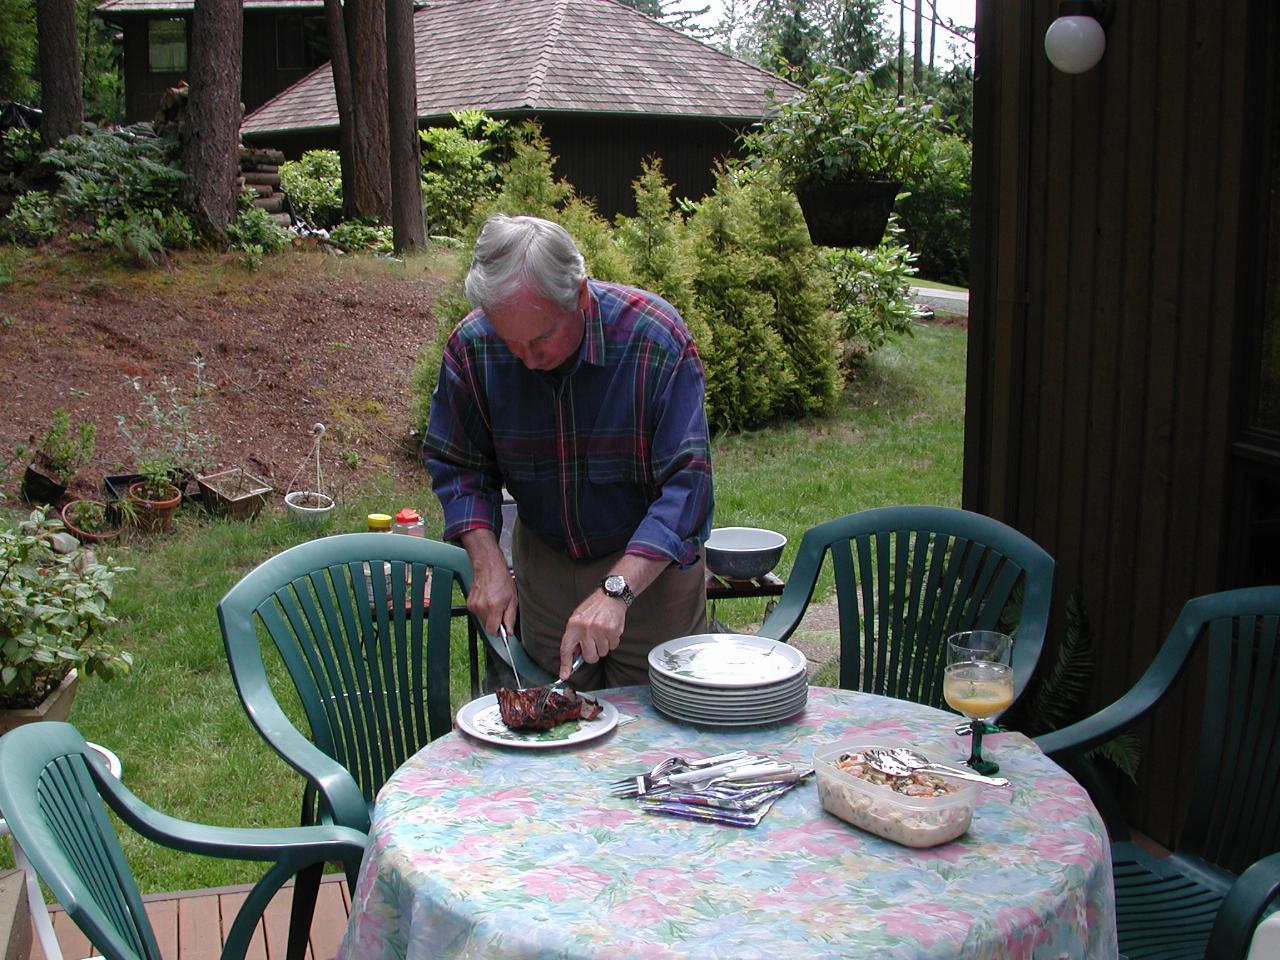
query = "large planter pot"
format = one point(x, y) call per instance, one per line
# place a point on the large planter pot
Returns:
point(850, 214)
point(155, 514)
point(56, 706)
point(234, 493)
point(309, 509)
point(75, 528)
point(39, 487)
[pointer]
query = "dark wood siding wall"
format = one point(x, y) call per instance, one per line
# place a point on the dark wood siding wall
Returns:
point(1106, 214)
point(260, 81)
point(600, 156)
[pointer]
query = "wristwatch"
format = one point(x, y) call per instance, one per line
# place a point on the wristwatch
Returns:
point(615, 586)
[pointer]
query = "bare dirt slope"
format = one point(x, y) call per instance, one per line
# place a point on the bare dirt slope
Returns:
point(306, 339)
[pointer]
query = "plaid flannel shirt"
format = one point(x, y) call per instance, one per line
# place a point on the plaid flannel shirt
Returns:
point(612, 455)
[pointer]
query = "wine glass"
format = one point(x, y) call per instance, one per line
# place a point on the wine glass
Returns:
point(979, 683)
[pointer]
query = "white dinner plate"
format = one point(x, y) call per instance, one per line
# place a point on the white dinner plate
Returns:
point(712, 698)
point(482, 719)
point(726, 714)
point(726, 660)
point(755, 721)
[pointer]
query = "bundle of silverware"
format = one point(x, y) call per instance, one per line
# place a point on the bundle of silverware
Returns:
point(734, 788)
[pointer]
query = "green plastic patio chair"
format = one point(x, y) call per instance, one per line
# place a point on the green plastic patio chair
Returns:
point(369, 666)
point(1206, 898)
point(907, 578)
point(52, 788)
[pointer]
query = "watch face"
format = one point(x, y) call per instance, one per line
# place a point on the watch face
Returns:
point(614, 585)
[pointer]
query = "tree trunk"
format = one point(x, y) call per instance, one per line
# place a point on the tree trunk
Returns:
point(60, 96)
point(408, 229)
point(211, 133)
point(341, 66)
point(367, 52)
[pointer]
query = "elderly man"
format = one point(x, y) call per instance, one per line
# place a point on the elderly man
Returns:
point(586, 400)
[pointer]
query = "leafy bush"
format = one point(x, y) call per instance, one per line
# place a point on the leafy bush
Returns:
point(460, 168)
point(110, 174)
point(871, 297)
point(163, 435)
point(764, 295)
point(65, 447)
point(33, 218)
point(313, 185)
point(52, 610)
point(145, 235)
point(353, 235)
point(18, 150)
point(935, 215)
point(254, 228)
point(843, 129)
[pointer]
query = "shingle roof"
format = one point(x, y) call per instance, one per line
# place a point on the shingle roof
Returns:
point(109, 7)
point(599, 56)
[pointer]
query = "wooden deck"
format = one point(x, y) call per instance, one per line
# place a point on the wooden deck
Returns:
point(192, 925)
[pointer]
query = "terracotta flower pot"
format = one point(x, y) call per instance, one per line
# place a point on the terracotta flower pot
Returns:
point(155, 514)
point(87, 536)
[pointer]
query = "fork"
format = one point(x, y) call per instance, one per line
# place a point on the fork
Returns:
point(747, 765)
point(671, 764)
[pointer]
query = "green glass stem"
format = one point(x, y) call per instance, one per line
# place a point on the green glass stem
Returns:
point(977, 761)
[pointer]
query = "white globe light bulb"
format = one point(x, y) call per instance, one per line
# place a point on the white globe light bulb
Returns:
point(1075, 43)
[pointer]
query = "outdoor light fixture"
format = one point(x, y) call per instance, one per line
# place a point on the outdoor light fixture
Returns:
point(1076, 40)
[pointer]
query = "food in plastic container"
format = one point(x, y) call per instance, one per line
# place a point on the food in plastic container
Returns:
point(922, 810)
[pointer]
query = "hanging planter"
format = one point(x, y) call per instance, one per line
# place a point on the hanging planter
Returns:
point(314, 507)
point(852, 214)
point(234, 493)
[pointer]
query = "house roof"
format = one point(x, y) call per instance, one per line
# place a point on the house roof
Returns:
point(597, 56)
point(112, 7)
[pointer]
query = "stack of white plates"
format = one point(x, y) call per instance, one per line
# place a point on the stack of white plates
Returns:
point(728, 679)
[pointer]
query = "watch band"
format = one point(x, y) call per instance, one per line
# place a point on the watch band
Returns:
point(615, 585)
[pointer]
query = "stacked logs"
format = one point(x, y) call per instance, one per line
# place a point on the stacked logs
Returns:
point(260, 174)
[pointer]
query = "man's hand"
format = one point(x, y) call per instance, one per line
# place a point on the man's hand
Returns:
point(596, 626)
point(492, 599)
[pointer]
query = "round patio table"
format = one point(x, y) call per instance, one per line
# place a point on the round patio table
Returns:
point(485, 851)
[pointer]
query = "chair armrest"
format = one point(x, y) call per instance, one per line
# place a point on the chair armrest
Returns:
point(298, 845)
point(1241, 911)
point(337, 788)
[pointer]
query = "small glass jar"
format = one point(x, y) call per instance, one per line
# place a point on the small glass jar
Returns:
point(408, 521)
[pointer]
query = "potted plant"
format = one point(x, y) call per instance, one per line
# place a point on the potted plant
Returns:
point(845, 149)
point(60, 452)
point(155, 497)
point(235, 493)
point(162, 436)
point(87, 521)
point(53, 608)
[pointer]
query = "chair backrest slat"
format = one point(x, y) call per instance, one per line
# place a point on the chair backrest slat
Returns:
point(1232, 819)
point(51, 801)
point(367, 657)
point(906, 579)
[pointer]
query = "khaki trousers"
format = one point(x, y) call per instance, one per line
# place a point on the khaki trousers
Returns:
point(551, 586)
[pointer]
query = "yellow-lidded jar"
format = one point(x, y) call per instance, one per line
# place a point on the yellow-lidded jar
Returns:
point(379, 522)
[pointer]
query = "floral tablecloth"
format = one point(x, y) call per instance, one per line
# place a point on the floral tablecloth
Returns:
point(484, 851)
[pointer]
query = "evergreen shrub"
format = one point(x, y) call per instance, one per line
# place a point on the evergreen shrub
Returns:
point(313, 186)
point(935, 214)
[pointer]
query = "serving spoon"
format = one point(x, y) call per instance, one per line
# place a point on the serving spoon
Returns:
point(901, 762)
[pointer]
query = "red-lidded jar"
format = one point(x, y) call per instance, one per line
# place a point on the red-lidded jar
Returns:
point(408, 521)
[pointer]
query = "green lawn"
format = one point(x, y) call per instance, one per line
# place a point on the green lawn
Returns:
point(181, 733)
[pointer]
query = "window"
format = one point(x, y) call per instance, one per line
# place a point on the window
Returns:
point(167, 42)
point(301, 43)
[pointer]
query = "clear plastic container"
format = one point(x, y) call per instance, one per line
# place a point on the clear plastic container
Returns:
point(911, 821)
point(408, 521)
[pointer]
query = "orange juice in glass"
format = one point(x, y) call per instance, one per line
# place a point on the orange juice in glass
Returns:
point(979, 683)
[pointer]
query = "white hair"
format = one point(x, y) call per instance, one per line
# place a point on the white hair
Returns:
point(512, 252)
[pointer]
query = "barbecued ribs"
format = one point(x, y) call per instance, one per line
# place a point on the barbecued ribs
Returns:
point(532, 709)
